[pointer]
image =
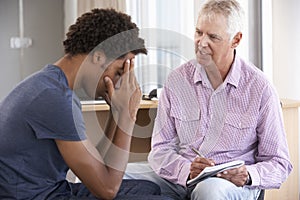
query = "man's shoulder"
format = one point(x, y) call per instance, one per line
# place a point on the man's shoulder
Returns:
point(251, 72)
point(187, 66)
point(185, 70)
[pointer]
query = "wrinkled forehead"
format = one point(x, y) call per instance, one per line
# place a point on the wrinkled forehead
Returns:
point(212, 16)
point(216, 19)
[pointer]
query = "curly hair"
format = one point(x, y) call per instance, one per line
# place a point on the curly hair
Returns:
point(107, 30)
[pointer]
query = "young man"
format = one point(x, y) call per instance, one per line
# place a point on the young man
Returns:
point(225, 108)
point(41, 125)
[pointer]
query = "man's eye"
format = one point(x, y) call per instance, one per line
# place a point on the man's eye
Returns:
point(198, 32)
point(215, 38)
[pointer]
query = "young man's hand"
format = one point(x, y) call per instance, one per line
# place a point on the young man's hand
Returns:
point(125, 99)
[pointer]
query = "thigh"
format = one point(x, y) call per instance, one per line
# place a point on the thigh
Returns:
point(143, 171)
point(138, 187)
point(220, 189)
point(79, 191)
point(75, 191)
point(129, 189)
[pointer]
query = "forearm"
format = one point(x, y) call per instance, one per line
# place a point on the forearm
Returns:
point(170, 165)
point(269, 174)
point(273, 166)
point(109, 133)
point(117, 155)
point(118, 148)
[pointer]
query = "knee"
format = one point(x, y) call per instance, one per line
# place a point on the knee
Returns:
point(151, 187)
point(211, 188)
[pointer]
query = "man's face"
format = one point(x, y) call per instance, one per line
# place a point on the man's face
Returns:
point(114, 71)
point(211, 38)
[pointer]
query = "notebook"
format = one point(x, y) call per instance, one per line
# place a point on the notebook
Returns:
point(214, 170)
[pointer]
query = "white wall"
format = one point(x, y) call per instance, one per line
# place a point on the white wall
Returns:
point(43, 23)
point(286, 48)
point(70, 10)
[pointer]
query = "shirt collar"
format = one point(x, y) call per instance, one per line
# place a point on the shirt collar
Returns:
point(199, 72)
point(234, 74)
point(232, 78)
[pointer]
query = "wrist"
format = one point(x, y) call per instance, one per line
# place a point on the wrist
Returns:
point(249, 180)
point(126, 123)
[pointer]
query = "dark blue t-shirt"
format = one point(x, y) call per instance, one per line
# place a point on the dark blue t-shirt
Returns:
point(40, 109)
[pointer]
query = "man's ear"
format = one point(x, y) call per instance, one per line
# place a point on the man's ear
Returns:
point(99, 58)
point(236, 40)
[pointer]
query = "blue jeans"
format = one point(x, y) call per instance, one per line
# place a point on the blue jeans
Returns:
point(144, 171)
point(221, 189)
point(211, 188)
point(129, 190)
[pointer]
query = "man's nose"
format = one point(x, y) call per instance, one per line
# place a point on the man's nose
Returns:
point(203, 41)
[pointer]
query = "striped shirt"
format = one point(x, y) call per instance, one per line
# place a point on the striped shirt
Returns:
point(240, 120)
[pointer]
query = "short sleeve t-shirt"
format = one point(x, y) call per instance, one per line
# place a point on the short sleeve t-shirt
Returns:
point(40, 109)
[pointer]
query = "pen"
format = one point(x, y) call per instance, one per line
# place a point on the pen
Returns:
point(197, 152)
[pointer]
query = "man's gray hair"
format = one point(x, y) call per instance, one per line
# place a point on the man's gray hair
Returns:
point(230, 9)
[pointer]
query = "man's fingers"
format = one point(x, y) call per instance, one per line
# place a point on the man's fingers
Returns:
point(131, 64)
point(109, 85)
point(126, 71)
point(132, 78)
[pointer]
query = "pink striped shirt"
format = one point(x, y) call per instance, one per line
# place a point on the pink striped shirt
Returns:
point(240, 120)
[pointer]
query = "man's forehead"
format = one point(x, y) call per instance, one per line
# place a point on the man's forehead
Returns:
point(129, 56)
point(217, 25)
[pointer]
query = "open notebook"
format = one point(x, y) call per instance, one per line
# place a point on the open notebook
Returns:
point(214, 170)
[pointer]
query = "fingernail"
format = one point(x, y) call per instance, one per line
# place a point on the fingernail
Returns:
point(127, 61)
point(225, 172)
point(106, 79)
